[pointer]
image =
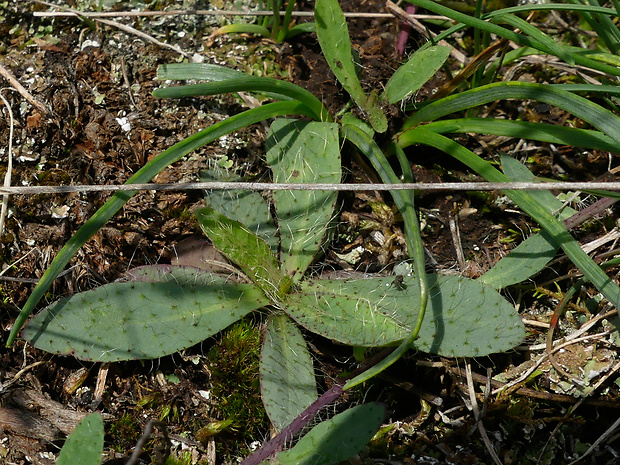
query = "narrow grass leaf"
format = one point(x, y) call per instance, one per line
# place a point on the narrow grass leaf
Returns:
point(594, 114)
point(221, 83)
point(532, 31)
point(521, 39)
point(197, 71)
point(543, 132)
point(518, 172)
point(242, 28)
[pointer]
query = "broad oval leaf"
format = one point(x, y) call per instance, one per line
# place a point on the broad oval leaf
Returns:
point(127, 321)
point(464, 318)
point(336, 439)
point(251, 253)
point(303, 152)
point(248, 207)
point(333, 35)
point(288, 385)
point(412, 75)
point(84, 445)
point(523, 262)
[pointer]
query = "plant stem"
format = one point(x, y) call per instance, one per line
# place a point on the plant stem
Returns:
point(277, 443)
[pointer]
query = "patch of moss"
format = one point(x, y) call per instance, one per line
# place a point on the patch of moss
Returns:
point(234, 362)
point(124, 433)
point(183, 458)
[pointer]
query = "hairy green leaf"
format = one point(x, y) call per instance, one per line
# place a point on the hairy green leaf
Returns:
point(336, 439)
point(247, 207)
point(288, 385)
point(144, 175)
point(303, 152)
point(248, 251)
point(84, 445)
point(412, 75)
point(128, 321)
point(465, 318)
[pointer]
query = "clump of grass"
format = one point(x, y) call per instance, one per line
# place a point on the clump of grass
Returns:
point(234, 362)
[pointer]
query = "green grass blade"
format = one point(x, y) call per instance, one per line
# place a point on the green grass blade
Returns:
point(303, 28)
point(518, 172)
point(520, 39)
point(581, 107)
point(282, 34)
point(405, 202)
point(552, 7)
point(241, 28)
point(477, 23)
point(543, 132)
point(197, 71)
point(143, 175)
point(247, 83)
point(536, 34)
point(591, 88)
point(602, 24)
point(524, 200)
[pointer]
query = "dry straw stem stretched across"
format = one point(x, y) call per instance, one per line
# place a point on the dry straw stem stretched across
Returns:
point(265, 186)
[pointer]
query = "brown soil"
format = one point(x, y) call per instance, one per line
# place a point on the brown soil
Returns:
point(90, 92)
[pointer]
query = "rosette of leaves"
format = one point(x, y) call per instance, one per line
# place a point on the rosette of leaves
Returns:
point(158, 310)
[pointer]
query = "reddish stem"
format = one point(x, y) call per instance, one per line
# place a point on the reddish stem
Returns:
point(277, 443)
point(405, 29)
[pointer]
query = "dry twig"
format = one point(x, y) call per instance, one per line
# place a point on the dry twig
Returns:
point(5, 73)
point(266, 186)
point(477, 413)
point(9, 168)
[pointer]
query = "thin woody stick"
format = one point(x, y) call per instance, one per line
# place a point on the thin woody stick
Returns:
point(267, 186)
point(5, 73)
